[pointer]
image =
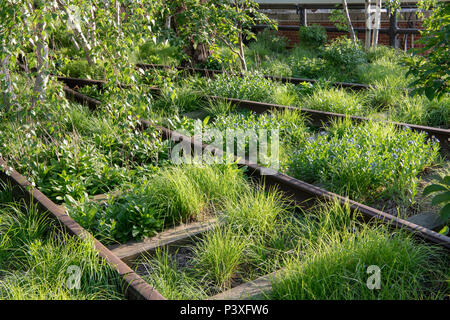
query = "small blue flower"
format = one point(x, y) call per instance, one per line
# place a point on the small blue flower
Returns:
point(395, 156)
point(373, 164)
point(350, 140)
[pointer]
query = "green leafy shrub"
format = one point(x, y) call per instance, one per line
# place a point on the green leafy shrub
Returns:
point(313, 36)
point(270, 40)
point(343, 53)
point(159, 53)
point(431, 69)
point(82, 69)
point(442, 198)
point(335, 100)
point(222, 59)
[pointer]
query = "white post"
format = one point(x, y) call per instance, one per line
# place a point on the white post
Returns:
point(368, 23)
point(377, 22)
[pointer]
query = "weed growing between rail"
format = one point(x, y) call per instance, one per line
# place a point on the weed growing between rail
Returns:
point(35, 258)
point(248, 243)
point(335, 268)
point(174, 194)
point(367, 162)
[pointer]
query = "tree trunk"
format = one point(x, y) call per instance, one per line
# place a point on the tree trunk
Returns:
point(40, 83)
point(367, 15)
point(197, 54)
point(349, 21)
point(242, 53)
point(93, 38)
point(7, 89)
point(377, 23)
point(74, 41)
point(76, 28)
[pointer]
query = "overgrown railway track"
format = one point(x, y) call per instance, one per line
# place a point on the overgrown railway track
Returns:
point(316, 117)
point(124, 256)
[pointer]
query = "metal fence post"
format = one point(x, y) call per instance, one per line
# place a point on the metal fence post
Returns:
point(393, 29)
point(301, 11)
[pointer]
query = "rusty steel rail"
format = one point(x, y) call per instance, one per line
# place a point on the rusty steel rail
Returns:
point(78, 82)
point(135, 288)
point(81, 98)
point(210, 73)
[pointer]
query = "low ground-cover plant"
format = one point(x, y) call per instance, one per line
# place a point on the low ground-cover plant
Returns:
point(366, 161)
point(82, 69)
point(252, 87)
point(35, 258)
point(335, 100)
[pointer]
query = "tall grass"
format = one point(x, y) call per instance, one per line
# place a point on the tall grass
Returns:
point(335, 267)
point(173, 195)
point(335, 100)
point(172, 281)
point(35, 258)
point(219, 254)
point(242, 247)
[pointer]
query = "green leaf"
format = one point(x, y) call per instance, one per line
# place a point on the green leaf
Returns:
point(443, 197)
point(444, 230)
point(433, 188)
point(447, 180)
point(445, 212)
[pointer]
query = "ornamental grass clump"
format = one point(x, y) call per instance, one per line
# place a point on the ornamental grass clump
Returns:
point(171, 196)
point(37, 259)
point(366, 162)
point(335, 100)
point(335, 267)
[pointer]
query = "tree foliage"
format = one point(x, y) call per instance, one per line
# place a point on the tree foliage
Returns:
point(200, 25)
point(432, 69)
